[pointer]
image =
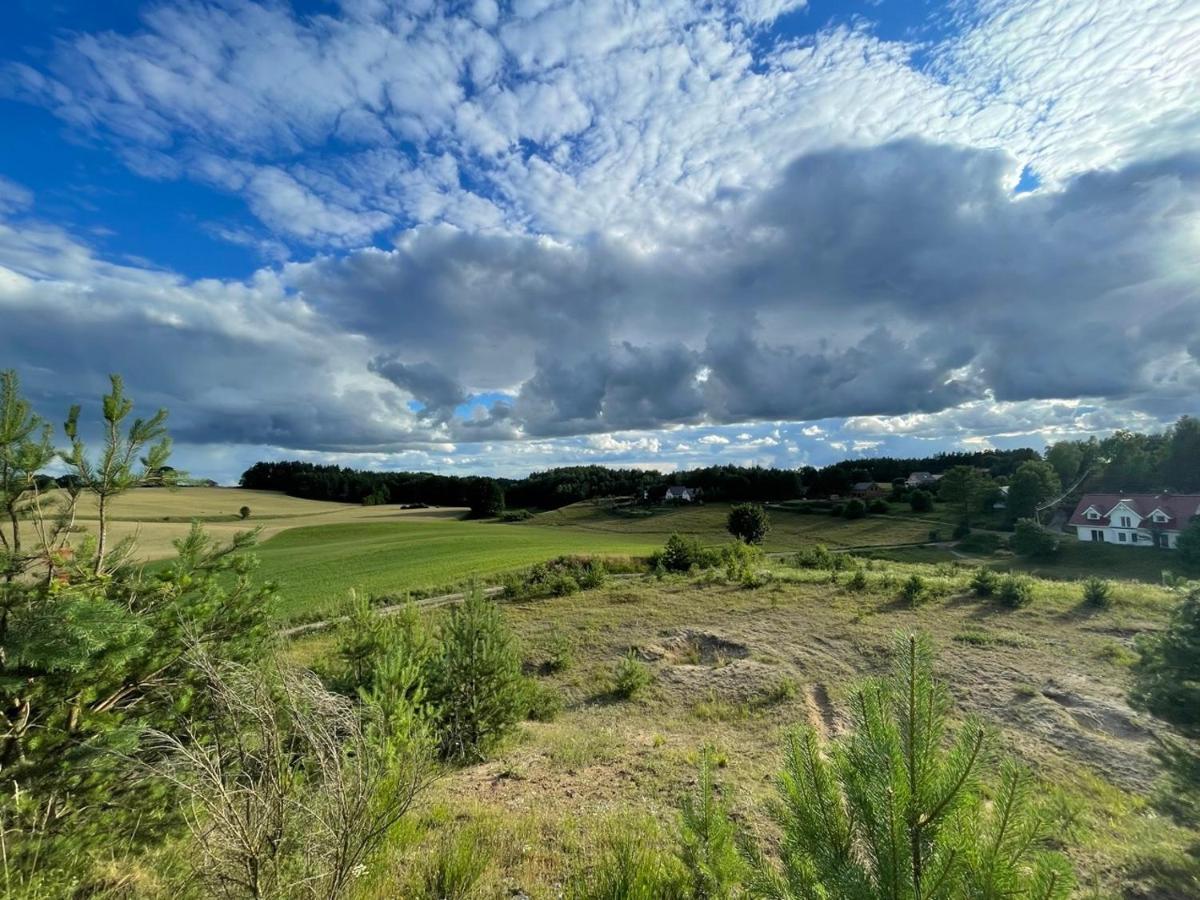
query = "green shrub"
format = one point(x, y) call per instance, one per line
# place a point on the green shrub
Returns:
point(838, 510)
point(477, 689)
point(818, 557)
point(631, 676)
point(748, 522)
point(560, 655)
point(879, 507)
point(981, 542)
point(857, 582)
point(1097, 592)
point(1031, 539)
point(913, 589)
point(743, 563)
point(542, 702)
point(781, 691)
point(1015, 591)
point(984, 582)
point(516, 515)
point(920, 501)
point(855, 509)
point(244, 512)
point(682, 554)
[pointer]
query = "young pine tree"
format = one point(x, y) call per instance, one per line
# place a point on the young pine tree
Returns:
point(895, 811)
point(119, 466)
point(478, 691)
point(707, 840)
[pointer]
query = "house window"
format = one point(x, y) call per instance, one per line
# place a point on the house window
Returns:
point(1121, 536)
point(1125, 522)
point(1097, 535)
point(1092, 514)
point(1134, 537)
point(1164, 540)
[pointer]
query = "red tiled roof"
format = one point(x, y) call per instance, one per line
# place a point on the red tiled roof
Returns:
point(1179, 507)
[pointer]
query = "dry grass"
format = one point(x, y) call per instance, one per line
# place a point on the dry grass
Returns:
point(1046, 677)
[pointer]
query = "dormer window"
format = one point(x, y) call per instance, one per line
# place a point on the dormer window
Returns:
point(1092, 514)
point(1125, 522)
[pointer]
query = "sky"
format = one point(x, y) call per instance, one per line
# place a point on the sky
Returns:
point(495, 237)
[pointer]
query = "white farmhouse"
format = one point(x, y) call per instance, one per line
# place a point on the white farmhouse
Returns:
point(679, 494)
point(1134, 520)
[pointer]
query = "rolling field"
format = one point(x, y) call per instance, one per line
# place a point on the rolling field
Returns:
point(315, 567)
point(789, 530)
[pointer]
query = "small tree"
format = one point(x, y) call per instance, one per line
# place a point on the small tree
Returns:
point(895, 810)
point(1034, 483)
point(707, 846)
point(119, 466)
point(1167, 674)
point(25, 449)
point(964, 487)
point(477, 691)
point(486, 499)
point(920, 501)
point(855, 509)
point(244, 513)
point(748, 522)
point(1188, 544)
point(1031, 539)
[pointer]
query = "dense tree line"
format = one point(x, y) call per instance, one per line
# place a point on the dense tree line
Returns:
point(1123, 461)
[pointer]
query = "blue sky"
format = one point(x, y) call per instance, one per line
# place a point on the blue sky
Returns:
point(488, 236)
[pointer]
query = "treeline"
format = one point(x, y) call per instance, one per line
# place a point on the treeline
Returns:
point(549, 489)
point(1124, 461)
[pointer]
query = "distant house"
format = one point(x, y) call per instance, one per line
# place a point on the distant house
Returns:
point(677, 493)
point(921, 479)
point(869, 489)
point(1002, 500)
point(1136, 520)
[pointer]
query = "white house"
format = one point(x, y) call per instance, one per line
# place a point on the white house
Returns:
point(921, 479)
point(1134, 520)
point(679, 494)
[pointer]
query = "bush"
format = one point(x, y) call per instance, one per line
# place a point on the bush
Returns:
point(1097, 592)
point(516, 515)
point(857, 582)
point(838, 510)
point(682, 554)
point(1187, 545)
point(913, 589)
point(818, 557)
point(742, 563)
point(542, 702)
point(920, 501)
point(244, 512)
point(879, 506)
point(984, 582)
point(1031, 539)
point(1015, 591)
point(478, 691)
point(559, 577)
point(631, 676)
point(748, 522)
point(981, 542)
point(561, 654)
point(855, 509)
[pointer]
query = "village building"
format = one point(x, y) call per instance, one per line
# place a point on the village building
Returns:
point(1134, 520)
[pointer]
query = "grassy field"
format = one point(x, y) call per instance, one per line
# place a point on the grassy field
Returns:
point(736, 668)
point(789, 530)
point(316, 566)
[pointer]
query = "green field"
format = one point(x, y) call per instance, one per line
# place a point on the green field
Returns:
point(315, 567)
point(789, 530)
